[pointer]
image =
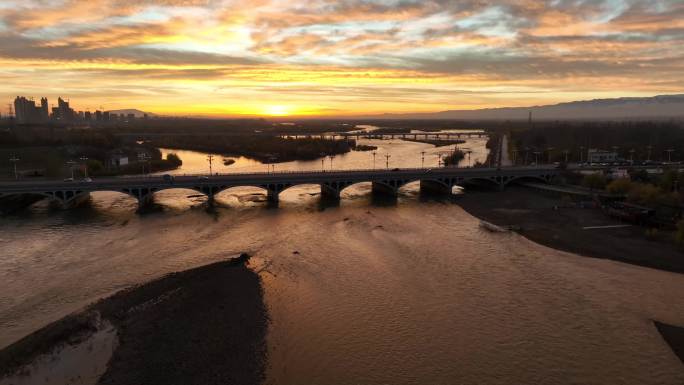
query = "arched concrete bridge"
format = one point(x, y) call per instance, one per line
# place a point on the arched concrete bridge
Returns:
point(331, 182)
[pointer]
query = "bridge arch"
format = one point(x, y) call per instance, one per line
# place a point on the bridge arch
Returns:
point(532, 178)
point(346, 190)
point(224, 189)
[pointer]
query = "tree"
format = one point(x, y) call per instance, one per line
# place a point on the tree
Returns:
point(679, 234)
point(594, 181)
point(619, 186)
point(174, 159)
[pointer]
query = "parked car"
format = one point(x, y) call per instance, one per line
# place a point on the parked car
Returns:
point(69, 179)
point(87, 180)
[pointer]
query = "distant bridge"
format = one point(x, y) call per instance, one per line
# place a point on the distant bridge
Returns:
point(336, 135)
point(385, 181)
point(396, 135)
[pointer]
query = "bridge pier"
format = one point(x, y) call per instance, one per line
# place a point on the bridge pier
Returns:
point(431, 186)
point(384, 189)
point(145, 201)
point(74, 201)
point(330, 191)
point(272, 196)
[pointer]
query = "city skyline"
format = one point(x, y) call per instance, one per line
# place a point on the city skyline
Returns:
point(226, 58)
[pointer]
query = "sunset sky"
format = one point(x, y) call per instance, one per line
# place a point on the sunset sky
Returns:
point(324, 57)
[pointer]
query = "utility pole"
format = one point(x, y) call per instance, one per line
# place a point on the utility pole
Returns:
point(84, 159)
point(210, 158)
point(71, 164)
point(14, 160)
point(387, 156)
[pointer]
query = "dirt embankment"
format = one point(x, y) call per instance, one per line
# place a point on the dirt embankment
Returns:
point(541, 218)
point(202, 326)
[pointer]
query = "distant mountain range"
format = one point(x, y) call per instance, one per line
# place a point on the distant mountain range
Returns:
point(656, 107)
point(137, 113)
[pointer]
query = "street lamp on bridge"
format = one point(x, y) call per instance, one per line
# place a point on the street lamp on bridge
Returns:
point(14, 160)
point(374, 153)
point(71, 164)
point(210, 159)
point(387, 156)
point(669, 154)
point(331, 159)
point(422, 159)
point(84, 159)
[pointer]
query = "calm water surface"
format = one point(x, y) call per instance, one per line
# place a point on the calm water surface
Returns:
point(369, 292)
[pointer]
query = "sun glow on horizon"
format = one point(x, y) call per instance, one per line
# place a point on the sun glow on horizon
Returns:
point(277, 110)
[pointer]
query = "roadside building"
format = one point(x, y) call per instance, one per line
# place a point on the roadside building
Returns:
point(118, 159)
point(601, 156)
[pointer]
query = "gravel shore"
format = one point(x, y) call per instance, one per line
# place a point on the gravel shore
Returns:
point(202, 326)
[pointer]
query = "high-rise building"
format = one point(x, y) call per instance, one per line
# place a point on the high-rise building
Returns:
point(27, 112)
point(44, 110)
point(63, 112)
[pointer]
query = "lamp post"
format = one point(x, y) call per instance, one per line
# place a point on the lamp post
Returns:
point(84, 159)
point(387, 156)
point(469, 152)
point(331, 159)
point(669, 154)
point(374, 153)
point(648, 155)
point(566, 152)
point(548, 154)
point(422, 159)
point(210, 159)
point(631, 157)
point(71, 164)
point(14, 160)
point(581, 157)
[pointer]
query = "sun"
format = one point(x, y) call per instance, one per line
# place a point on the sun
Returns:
point(277, 110)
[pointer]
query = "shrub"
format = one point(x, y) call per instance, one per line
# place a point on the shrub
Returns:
point(619, 186)
point(594, 181)
point(652, 233)
point(679, 234)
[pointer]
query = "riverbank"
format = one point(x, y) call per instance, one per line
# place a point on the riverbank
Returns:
point(583, 231)
point(205, 325)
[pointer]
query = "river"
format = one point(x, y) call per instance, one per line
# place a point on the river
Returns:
point(368, 292)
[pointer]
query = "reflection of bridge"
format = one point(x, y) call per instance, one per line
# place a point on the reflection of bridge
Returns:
point(332, 182)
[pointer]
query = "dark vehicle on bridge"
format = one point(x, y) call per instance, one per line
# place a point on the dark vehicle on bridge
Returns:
point(168, 178)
